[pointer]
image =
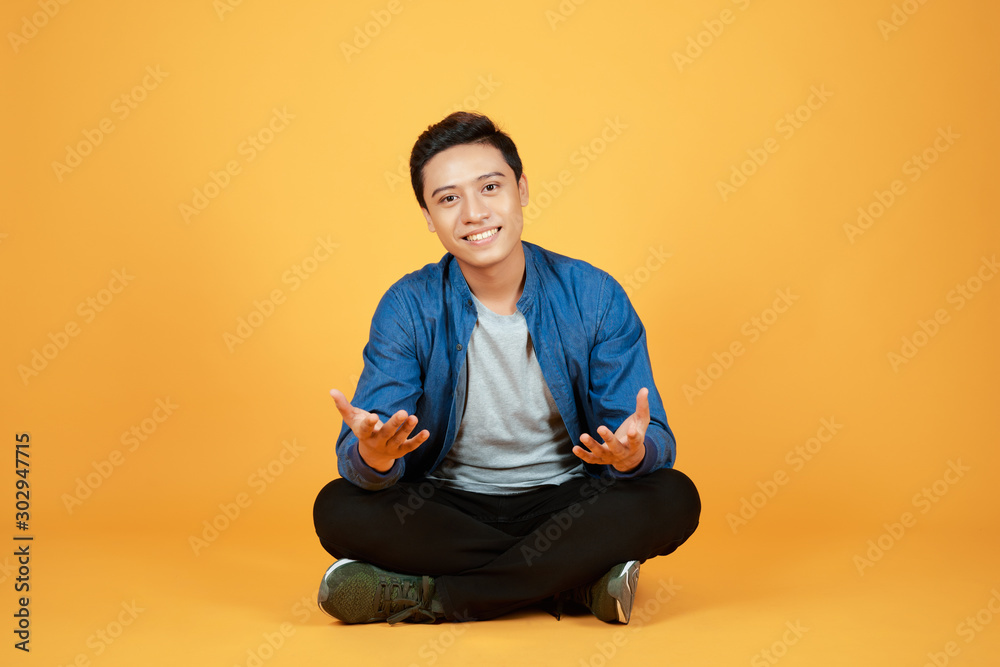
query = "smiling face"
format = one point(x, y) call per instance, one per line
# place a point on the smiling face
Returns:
point(474, 206)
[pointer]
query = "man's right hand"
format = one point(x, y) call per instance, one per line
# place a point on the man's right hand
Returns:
point(380, 444)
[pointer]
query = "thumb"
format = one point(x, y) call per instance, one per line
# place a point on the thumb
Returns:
point(345, 408)
point(642, 406)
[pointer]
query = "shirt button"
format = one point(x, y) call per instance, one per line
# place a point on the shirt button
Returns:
point(459, 347)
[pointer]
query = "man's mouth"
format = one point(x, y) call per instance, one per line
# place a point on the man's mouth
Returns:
point(482, 236)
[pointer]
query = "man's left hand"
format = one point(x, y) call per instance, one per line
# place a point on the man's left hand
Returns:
point(625, 448)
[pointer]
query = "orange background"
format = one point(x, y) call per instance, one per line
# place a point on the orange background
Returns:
point(599, 96)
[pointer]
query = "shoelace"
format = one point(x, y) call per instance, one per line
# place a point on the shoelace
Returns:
point(559, 597)
point(402, 600)
point(579, 595)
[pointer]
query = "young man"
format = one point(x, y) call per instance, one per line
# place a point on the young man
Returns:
point(509, 355)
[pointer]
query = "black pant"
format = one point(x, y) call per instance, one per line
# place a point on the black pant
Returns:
point(491, 554)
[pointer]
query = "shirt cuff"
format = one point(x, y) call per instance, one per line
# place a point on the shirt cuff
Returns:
point(646, 466)
point(367, 477)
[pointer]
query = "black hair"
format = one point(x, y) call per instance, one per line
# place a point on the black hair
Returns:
point(461, 127)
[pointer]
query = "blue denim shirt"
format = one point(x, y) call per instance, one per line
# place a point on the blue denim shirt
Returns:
point(588, 339)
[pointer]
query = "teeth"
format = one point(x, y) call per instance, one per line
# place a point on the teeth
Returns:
point(483, 235)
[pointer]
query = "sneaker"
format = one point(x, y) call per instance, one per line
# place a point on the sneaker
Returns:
point(357, 592)
point(610, 597)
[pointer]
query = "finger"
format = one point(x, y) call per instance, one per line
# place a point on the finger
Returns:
point(634, 438)
point(583, 454)
point(591, 444)
point(414, 442)
point(389, 428)
point(595, 452)
point(367, 426)
point(614, 445)
point(642, 407)
point(403, 432)
point(345, 408)
point(361, 422)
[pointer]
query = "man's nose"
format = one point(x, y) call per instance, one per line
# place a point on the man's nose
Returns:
point(476, 210)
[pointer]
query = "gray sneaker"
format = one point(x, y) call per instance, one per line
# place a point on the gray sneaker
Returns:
point(357, 592)
point(610, 597)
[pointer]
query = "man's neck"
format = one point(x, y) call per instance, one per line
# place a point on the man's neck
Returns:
point(498, 287)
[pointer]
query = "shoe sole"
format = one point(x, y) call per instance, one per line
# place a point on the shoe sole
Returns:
point(624, 597)
point(324, 588)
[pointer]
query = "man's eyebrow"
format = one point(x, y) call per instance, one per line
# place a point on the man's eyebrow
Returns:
point(492, 174)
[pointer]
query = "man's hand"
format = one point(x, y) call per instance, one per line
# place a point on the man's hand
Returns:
point(380, 444)
point(625, 448)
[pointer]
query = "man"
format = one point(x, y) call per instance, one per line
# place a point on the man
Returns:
point(508, 355)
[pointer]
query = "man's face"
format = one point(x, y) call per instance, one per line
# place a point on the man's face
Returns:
point(474, 204)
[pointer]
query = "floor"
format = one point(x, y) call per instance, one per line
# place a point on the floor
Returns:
point(204, 201)
point(722, 599)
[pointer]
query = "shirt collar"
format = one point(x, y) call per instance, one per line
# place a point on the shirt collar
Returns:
point(530, 277)
point(528, 295)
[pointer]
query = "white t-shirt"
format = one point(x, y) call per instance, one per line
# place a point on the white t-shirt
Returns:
point(511, 438)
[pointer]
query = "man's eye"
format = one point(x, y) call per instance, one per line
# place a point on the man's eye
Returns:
point(447, 199)
point(491, 186)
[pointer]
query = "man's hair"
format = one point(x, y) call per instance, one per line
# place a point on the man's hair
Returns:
point(461, 127)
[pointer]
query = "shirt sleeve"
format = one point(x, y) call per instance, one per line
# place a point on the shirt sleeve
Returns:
point(619, 368)
point(389, 382)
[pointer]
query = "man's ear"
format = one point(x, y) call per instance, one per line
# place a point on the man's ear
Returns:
point(522, 189)
point(427, 217)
